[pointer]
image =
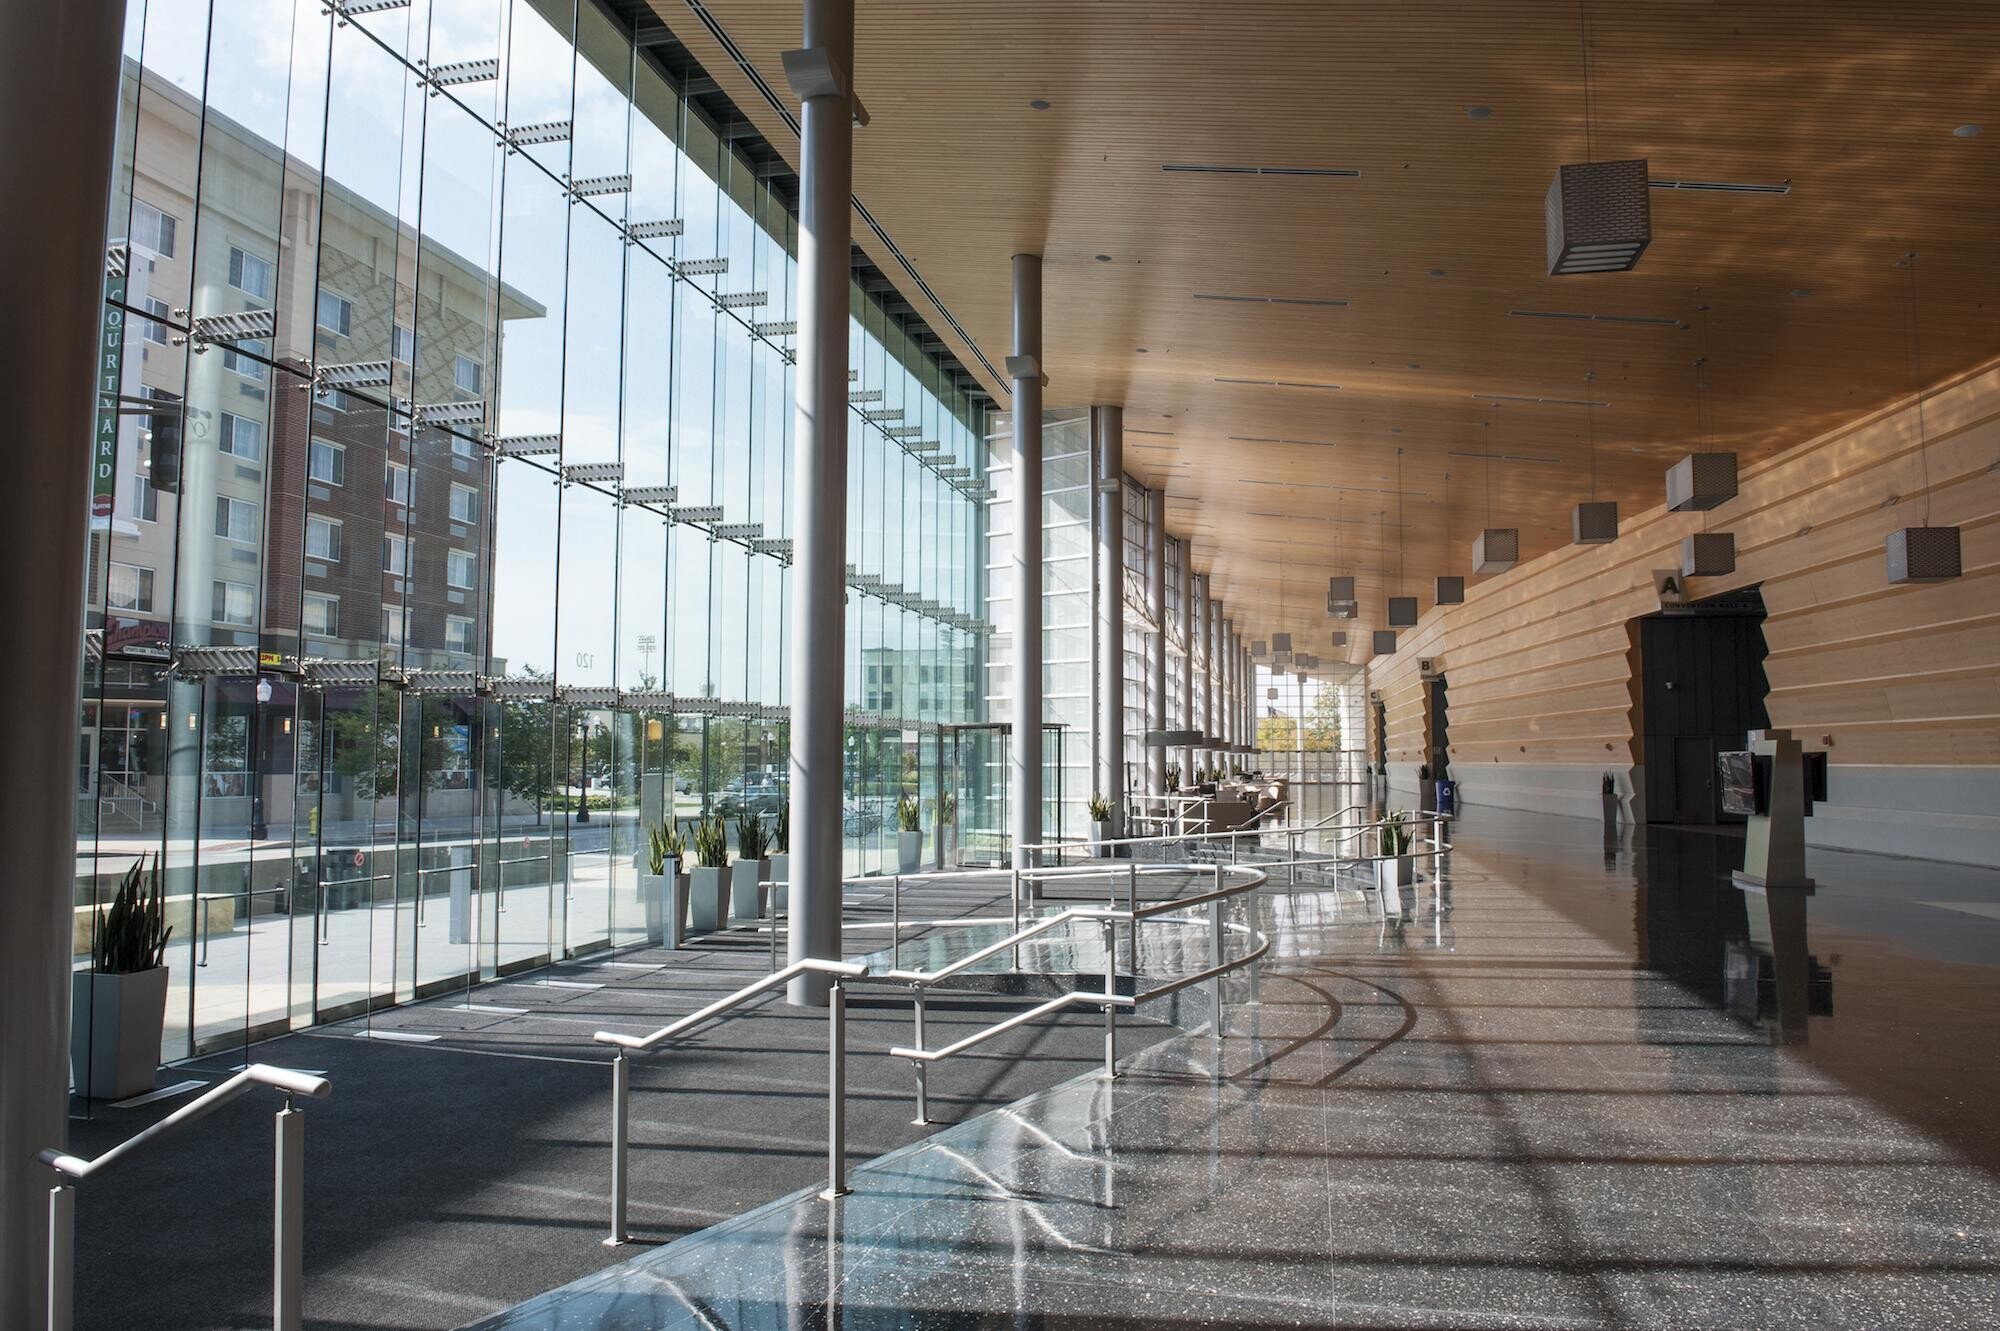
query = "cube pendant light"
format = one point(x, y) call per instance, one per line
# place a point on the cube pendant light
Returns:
point(1257, 648)
point(1600, 217)
point(1340, 639)
point(1281, 643)
point(1708, 554)
point(1701, 481)
point(1451, 591)
point(1402, 612)
point(1595, 523)
point(1923, 554)
point(1385, 642)
point(1339, 591)
point(1496, 549)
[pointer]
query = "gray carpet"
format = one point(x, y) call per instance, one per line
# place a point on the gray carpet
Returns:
point(450, 1179)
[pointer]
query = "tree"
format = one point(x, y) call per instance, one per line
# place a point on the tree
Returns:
point(1323, 725)
point(1277, 734)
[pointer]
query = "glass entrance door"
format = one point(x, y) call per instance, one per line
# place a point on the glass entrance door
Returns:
point(442, 881)
point(524, 821)
point(346, 873)
point(586, 739)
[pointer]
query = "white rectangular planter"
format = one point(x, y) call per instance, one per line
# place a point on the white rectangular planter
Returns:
point(909, 852)
point(744, 878)
point(708, 899)
point(781, 878)
point(114, 1034)
point(1099, 834)
point(652, 900)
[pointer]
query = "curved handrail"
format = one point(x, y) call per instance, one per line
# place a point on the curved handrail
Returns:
point(288, 1080)
point(808, 965)
point(1074, 998)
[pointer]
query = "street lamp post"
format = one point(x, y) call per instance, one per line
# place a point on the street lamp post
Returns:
point(583, 769)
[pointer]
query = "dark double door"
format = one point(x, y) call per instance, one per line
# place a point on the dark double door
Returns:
point(1703, 688)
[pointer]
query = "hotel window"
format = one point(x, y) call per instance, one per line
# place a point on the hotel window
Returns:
point(320, 615)
point(153, 229)
point(145, 499)
point(235, 519)
point(130, 587)
point(395, 554)
point(235, 603)
point(241, 358)
point(392, 626)
point(249, 274)
point(396, 484)
point(155, 328)
point(399, 416)
point(462, 447)
point(458, 570)
point(323, 539)
point(464, 504)
point(403, 345)
point(336, 313)
point(458, 634)
point(466, 374)
point(328, 463)
point(241, 438)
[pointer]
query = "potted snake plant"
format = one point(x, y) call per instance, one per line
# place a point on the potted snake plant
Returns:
point(909, 834)
point(746, 876)
point(1397, 867)
point(119, 1005)
point(780, 857)
point(708, 881)
point(1100, 825)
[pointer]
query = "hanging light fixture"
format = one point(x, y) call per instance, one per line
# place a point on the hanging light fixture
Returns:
point(1707, 554)
point(1497, 548)
point(1600, 214)
point(1595, 521)
point(1450, 589)
point(1402, 609)
point(1341, 602)
point(1926, 553)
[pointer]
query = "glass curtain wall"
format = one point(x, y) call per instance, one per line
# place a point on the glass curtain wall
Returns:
point(441, 502)
point(1138, 704)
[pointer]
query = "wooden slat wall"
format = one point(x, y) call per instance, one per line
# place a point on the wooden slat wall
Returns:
point(1542, 665)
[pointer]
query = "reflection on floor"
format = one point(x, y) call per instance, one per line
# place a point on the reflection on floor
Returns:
point(1570, 1084)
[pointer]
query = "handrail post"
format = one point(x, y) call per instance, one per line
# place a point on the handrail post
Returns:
point(62, 1256)
point(621, 1097)
point(288, 1221)
point(923, 1090)
point(1132, 935)
point(1017, 915)
point(836, 1091)
point(1292, 853)
point(1110, 1008)
point(1215, 943)
point(896, 924)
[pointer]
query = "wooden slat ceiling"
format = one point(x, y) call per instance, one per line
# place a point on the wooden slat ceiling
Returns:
point(1795, 300)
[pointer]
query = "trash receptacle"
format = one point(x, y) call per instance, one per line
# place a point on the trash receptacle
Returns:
point(1447, 799)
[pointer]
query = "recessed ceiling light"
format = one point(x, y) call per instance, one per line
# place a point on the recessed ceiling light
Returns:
point(1967, 131)
point(1039, 104)
point(1140, 350)
point(1802, 291)
point(1437, 272)
point(1415, 366)
point(1478, 112)
point(1104, 258)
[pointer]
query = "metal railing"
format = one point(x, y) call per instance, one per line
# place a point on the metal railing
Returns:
point(836, 1083)
point(1109, 917)
point(288, 1213)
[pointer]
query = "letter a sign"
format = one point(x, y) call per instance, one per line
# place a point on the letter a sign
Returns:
point(1667, 582)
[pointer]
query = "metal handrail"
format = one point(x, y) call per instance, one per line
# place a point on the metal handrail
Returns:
point(836, 1088)
point(1108, 998)
point(288, 1222)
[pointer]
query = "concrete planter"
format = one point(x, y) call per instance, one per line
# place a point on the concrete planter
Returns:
point(652, 899)
point(1614, 809)
point(745, 877)
point(708, 898)
point(1100, 832)
point(909, 852)
point(781, 879)
point(114, 1034)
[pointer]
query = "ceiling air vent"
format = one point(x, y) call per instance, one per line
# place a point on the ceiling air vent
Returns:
point(1402, 612)
point(1631, 320)
point(1496, 549)
point(1724, 186)
point(1595, 523)
point(1451, 591)
point(1600, 217)
point(1923, 554)
point(1701, 481)
point(1273, 300)
point(1708, 554)
point(1228, 169)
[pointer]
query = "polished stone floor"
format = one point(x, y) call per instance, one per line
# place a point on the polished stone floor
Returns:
point(1573, 1083)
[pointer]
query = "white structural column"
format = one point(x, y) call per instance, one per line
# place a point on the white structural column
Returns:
point(820, 75)
point(1232, 711)
point(1110, 432)
point(1025, 740)
point(1156, 656)
point(1225, 726)
point(1198, 663)
point(58, 68)
point(1190, 621)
